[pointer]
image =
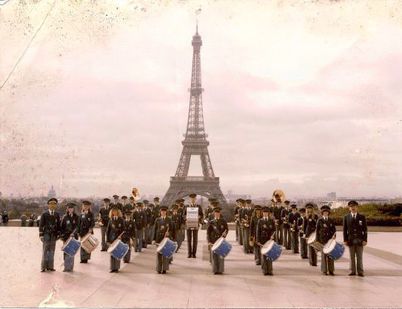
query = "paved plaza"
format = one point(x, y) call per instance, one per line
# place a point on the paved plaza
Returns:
point(190, 282)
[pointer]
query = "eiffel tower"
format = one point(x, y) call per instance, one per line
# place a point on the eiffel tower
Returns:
point(195, 144)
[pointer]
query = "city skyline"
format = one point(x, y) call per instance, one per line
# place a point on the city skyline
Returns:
point(300, 97)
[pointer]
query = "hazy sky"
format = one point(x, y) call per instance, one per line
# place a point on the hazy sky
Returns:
point(303, 97)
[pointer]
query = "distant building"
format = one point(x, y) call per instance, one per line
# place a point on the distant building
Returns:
point(232, 197)
point(331, 196)
point(51, 193)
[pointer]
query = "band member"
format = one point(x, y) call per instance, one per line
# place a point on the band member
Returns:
point(128, 236)
point(103, 219)
point(325, 231)
point(277, 211)
point(246, 220)
point(237, 221)
point(286, 226)
point(242, 204)
point(140, 219)
point(182, 231)
point(217, 228)
point(68, 228)
point(85, 226)
point(49, 230)
point(265, 231)
point(177, 221)
point(355, 237)
point(116, 202)
point(302, 226)
point(147, 230)
point(5, 217)
point(156, 207)
point(192, 233)
point(126, 204)
point(257, 215)
point(163, 228)
point(310, 226)
point(293, 218)
point(209, 211)
point(114, 230)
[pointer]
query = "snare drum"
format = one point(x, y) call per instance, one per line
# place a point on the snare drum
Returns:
point(271, 250)
point(89, 243)
point(334, 249)
point(167, 247)
point(118, 249)
point(313, 242)
point(221, 247)
point(71, 246)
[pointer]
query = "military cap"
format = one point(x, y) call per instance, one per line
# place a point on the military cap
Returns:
point(115, 196)
point(174, 207)
point(293, 206)
point(266, 209)
point(309, 206)
point(325, 208)
point(211, 199)
point(106, 199)
point(124, 197)
point(217, 209)
point(241, 200)
point(248, 201)
point(54, 200)
point(215, 203)
point(86, 202)
point(182, 200)
point(238, 200)
point(146, 202)
point(163, 208)
point(257, 207)
point(71, 205)
point(192, 195)
point(131, 198)
point(303, 210)
point(287, 202)
point(156, 198)
point(177, 201)
point(140, 203)
point(353, 203)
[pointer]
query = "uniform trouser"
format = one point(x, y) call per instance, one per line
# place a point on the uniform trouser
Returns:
point(240, 235)
point(127, 257)
point(162, 263)
point(266, 266)
point(138, 239)
point(145, 236)
point(356, 255)
point(151, 233)
point(246, 238)
point(237, 231)
point(68, 262)
point(312, 256)
point(85, 256)
point(114, 263)
point(303, 247)
point(327, 264)
point(295, 241)
point(218, 263)
point(279, 234)
point(192, 241)
point(286, 237)
point(257, 254)
point(179, 238)
point(49, 247)
point(103, 235)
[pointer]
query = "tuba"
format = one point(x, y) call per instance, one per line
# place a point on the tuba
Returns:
point(136, 194)
point(278, 196)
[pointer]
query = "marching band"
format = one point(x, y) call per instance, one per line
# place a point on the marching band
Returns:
point(262, 231)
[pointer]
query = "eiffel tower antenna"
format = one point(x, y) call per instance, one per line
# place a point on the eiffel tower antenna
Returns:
point(195, 143)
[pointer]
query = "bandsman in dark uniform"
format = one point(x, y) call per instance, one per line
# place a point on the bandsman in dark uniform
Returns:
point(325, 231)
point(140, 219)
point(49, 231)
point(257, 215)
point(156, 207)
point(192, 233)
point(310, 226)
point(69, 228)
point(5, 217)
point(209, 211)
point(247, 213)
point(128, 236)
point(85, 225)
point(177, 220)
point(182, 232)
point(163, 228)
point(126, 205)
point(302, 233)
point(265, 231)
point(114, 230)
point(355, 237)
point(147, 230)
point(236, 217)
point(103, 219)
point(217, 228)
point(242, 204)
point(294, 228)
point(277, 211)
point(116, 203)
point(286, 226)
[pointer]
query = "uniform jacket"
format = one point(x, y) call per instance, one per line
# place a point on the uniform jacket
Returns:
point(253, 225)
point(86, 223)
point(162, 225)
point(293, 220)
point(140, 219)
point(285, 217)
point(114, 229)
point(310, 224)
point(325, 230)
point(69, 224)
point(104, 215)
point(49, 226)
point(129, 230)
point(277, 213)
point(265, 230)
point(216, 229)
point(354, 230)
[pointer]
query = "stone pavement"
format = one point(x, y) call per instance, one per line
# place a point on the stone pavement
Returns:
point(190, 282)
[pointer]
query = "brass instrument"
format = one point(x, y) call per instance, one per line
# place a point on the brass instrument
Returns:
point(278, 196)
point(136, 194)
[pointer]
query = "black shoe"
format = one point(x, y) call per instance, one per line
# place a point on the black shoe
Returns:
point(194, 256)
point(325, 273)
point(313, 265)
point(352, 274)
point(189, 256)
point(112, 271)
point(51, 269)
point(270, 274)
point(159, 272)
point(361, 275)
point(331, 273)
point(164, 272)
point(103, 250)
point(258, 263)
point(43, 270)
